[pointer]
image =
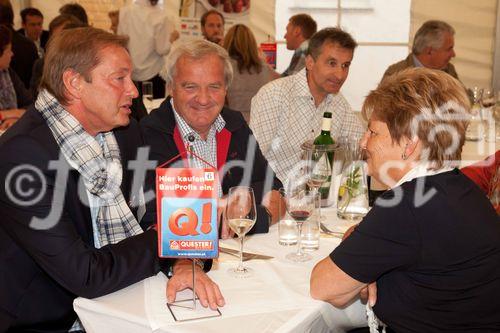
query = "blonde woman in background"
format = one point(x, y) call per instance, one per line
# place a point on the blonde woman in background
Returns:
point(250, 71)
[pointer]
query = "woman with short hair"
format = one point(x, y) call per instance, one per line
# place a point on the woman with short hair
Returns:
point(432, 242)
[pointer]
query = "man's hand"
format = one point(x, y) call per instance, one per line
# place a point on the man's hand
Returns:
point(207, 291)
point(275, 204)
point(225, 232)
point(174, 35)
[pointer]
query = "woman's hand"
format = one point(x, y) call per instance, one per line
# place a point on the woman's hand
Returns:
point(349, 232)
point(368, 293)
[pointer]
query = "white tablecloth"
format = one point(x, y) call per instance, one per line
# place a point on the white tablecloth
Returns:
point(155, 103)
point(276, 299)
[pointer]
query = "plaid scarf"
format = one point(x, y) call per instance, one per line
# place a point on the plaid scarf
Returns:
point(8, 99)
point(98, 163)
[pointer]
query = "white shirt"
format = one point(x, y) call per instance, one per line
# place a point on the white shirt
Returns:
point(149, 29)
point(284, 116)
point(416, 61)
point(206, 149)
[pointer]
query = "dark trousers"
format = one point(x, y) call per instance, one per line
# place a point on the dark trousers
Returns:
point(158, 86)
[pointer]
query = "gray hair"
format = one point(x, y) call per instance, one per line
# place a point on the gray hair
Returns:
point(195, 49)
point(430, 34)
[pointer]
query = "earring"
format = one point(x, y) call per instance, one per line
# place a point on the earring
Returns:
point(403, 156)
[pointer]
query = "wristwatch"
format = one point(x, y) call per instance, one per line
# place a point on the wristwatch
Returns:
point(199, 262)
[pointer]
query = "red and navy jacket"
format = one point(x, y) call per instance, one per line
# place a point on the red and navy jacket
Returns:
point(161, 134)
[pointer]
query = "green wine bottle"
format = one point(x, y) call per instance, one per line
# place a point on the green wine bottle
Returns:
point(325, 138)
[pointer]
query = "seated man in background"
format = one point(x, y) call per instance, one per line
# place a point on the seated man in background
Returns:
point(66, 233)
point(433, 47)
point(212, 26)
point(25, 53)
point(288, 111)
point(32, 22)
point(76, 10)
point(58, 23)
point(198, 74)
point(299, 30)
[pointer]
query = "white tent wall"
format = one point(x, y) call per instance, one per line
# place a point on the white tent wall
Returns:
point(383, 28)
point(475, 24)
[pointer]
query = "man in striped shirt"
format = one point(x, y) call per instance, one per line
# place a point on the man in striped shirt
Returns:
point(287, 112)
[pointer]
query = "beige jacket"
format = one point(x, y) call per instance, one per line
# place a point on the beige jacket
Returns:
point(408, 63)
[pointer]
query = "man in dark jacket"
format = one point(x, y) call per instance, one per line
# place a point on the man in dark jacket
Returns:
point(32, 22)
point(199, 73)
point(25, 53)
point(67, 228)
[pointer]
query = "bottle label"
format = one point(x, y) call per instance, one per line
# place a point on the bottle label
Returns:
point(326, 124)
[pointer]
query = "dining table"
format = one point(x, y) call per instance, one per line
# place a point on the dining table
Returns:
point(275, 299)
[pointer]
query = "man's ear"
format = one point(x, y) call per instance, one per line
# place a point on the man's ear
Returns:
point(169, 89)
point(309, 62)
point(73, 83)
point(428, 50)
point(297, 31)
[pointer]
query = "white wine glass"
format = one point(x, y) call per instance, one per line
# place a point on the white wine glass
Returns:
point(474, 130)
point(147, 94)
point(488, 101)
point(496, 116)
point(300, 206)
point(241, 215)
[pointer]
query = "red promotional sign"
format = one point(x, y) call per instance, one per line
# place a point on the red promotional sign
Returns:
point(186, 201)
point(269, 50)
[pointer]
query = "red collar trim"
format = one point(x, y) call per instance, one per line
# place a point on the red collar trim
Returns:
point(223, 139)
